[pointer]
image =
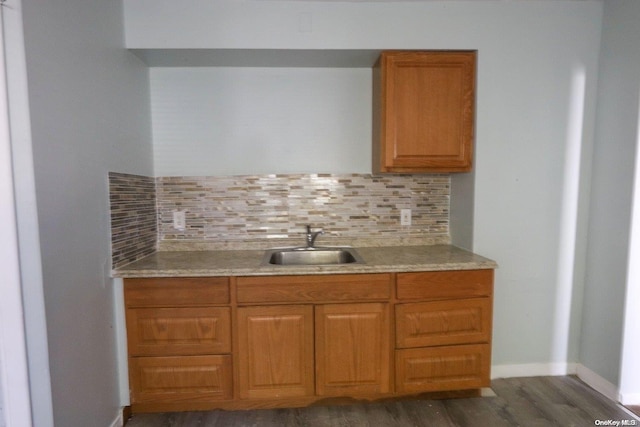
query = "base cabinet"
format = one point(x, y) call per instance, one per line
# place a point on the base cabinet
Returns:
point(443, 330)
point(284, 341)
point(179, 342)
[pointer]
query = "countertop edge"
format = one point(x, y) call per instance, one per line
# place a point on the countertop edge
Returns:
point(467, 261)
point(285, 271)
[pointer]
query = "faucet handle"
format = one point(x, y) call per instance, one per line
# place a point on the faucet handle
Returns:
point(311, 236)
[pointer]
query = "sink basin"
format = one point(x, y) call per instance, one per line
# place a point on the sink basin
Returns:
point(312, 256)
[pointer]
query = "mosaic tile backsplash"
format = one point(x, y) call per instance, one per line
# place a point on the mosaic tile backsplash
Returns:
point(272, 207)
point(250, 212)
point(134, 231)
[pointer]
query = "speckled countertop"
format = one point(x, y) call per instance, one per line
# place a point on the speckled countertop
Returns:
point(249, 262)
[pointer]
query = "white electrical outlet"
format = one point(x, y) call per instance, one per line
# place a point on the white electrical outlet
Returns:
point(405, 216)
point(179, 220)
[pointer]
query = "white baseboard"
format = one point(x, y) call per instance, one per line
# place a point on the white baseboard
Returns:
point(532, 370)
point(592, 379)
point(598, 383)
point(118, 421)
point(630, 399)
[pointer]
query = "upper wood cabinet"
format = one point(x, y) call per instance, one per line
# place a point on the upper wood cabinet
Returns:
point(423, 111)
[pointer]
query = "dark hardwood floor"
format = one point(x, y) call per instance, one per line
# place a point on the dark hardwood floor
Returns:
point(531, 402)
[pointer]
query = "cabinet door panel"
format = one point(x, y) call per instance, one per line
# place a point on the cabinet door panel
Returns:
point(463, 321)
point(171, 379)
point(427, 111)
point(352, 349)
point(457, 367)
point(275, 351)
point(179, 331)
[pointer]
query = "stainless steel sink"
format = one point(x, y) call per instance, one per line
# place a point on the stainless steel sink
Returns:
point(312, 256)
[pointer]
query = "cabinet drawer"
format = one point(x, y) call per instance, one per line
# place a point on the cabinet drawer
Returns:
point(176, 292)
point(463, 321)
point(457, 367)
point(349, 287)
point(186, 379)
point(445, 284)
point(178, 331)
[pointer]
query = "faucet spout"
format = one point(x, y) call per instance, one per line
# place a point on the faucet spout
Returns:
point(312, 236)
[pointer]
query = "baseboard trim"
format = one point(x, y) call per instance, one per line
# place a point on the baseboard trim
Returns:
point(589, 377)
point(117, 422)
point(630, 399)
point(533, 370)
point(598, 383)
point(122, 417)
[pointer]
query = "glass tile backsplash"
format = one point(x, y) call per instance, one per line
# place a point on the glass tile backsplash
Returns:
point(254, 208)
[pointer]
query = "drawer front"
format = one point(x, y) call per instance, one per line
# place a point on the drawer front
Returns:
point(445, 284)
point(457, 367)
point(178, 331)
point(463, 321)
point(186, 379)
point(320, 288)
point(176, 292)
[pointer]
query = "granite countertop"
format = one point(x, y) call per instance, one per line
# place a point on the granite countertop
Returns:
point(249, 262)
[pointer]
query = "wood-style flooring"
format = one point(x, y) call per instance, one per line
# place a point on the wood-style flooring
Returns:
point(531, 402)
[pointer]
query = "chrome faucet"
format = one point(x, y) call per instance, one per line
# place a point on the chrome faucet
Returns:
point(311, 236)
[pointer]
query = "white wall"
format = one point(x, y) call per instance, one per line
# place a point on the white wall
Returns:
point(535, 107)
point(608, 257)
point(15, 401)
point(234, 121)
point(89, 108)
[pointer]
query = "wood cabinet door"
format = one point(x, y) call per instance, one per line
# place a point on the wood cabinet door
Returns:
point(275, 351)
point(352, 349)
point(426, 118)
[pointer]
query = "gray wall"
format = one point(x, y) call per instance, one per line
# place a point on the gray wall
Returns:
point(89, 105)
point(611, 199)
point(90, 114)
point(537, 74)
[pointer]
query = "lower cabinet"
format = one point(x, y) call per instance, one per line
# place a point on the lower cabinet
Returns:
point(276, 345)
point(443, 330)
point(179, 342)
point(278, 341)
